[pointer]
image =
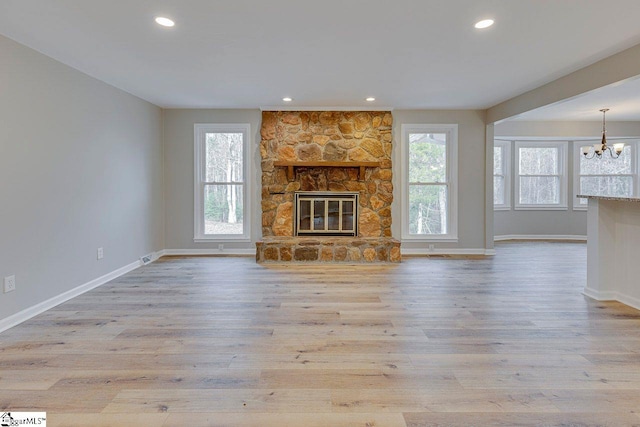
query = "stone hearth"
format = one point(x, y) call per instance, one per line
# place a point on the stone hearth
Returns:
point(308, 139)
point(328, 249)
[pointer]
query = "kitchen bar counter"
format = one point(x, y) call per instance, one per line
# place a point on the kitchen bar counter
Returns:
point(613, 249)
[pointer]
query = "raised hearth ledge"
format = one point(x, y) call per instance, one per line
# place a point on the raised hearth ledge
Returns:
point(328, 249)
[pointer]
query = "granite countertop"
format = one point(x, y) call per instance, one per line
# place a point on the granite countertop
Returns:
point(614, 198)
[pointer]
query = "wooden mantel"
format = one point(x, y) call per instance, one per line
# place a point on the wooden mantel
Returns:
point(299, 164)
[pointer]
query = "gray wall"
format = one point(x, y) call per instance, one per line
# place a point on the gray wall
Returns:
point(178, 138)
point(178, 141)
point(541, 223)
point(471, 173)
point(553, 129)
point(551, 223)
point(80, 168)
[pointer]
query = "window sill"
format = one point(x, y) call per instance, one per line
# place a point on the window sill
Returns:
point(434, 239)
point(541, 208)
point(222, 239)
point(502, 208)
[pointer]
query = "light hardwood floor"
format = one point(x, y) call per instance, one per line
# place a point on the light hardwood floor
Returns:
point(200, 341)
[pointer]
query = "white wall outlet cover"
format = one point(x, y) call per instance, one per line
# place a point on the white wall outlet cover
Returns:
point(9, 284)
point(100, 253)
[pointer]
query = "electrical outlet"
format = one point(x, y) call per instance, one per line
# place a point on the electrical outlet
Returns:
point(220, 247)
point(9, 284)
point(100, 253)
point(431, 247)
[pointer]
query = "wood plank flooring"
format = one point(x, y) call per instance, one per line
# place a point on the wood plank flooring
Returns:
point(201, 341)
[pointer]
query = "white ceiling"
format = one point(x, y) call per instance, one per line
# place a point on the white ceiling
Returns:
point(326, 53)
point(622, 99)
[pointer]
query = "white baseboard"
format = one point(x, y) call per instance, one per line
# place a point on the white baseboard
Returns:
point(599, 296)
point(445, 251)
point(539, 237)
point(227, 251)
point(629, 300)
point(252, 252)
point(28, 313)
point(612, 296)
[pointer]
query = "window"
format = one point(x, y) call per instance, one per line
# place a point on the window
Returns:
point(541, 175)
point(605, 176)
point(429, 205)
point(221, 185)
point(501, 175)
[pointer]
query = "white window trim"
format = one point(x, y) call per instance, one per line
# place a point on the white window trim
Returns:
point(576, 175)
point(506, 171)
point(452, 180)
point(562, 173)
point(199, 131)
point(635, 161)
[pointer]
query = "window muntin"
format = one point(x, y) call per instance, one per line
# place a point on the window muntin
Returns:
point(541, 175)
point(429, 181)
point(221, 188)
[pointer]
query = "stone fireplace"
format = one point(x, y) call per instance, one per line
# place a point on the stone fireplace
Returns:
point(326, 187)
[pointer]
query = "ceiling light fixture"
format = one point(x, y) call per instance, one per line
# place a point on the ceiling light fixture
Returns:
point(599, 149)
point(165, 22)
point(370, 99)
point(485, 23)
point(287, 99)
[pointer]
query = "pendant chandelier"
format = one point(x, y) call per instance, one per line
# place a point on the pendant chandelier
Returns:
point(597, 150)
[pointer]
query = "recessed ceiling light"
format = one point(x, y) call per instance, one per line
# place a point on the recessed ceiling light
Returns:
point(287, 99)
point(165, 22)
point(485, 23)
point(370, 99)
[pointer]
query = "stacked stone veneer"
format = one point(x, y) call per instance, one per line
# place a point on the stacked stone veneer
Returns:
point(332, 136)
point(328, 249)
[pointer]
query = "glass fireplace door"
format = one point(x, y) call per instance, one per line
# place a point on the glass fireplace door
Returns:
point(328, 214)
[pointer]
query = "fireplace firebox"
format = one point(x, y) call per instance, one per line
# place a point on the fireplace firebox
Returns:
point(319, 213)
